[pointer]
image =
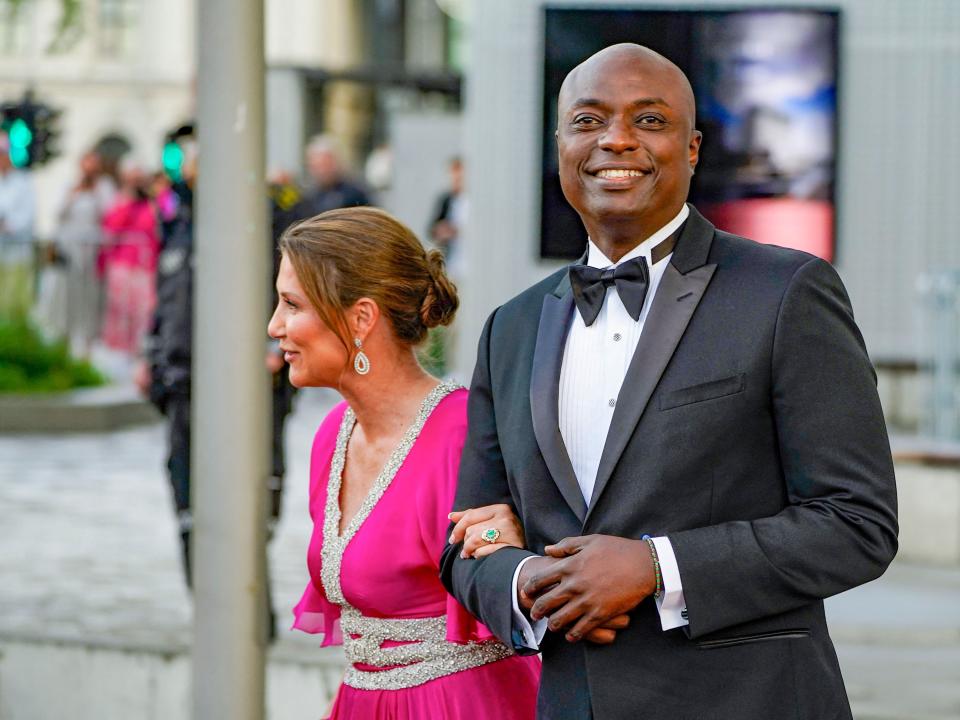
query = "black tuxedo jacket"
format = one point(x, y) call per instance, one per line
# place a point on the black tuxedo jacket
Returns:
point(748, 431)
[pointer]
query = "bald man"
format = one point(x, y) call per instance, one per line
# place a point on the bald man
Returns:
point(687, 426)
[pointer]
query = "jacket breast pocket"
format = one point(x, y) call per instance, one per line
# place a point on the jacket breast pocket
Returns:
point(795, 634)
point(704, 391)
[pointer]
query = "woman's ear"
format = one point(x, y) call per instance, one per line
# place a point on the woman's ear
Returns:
point(363, 317)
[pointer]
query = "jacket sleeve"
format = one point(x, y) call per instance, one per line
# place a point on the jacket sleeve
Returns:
point(839, 527)
point(483, 586)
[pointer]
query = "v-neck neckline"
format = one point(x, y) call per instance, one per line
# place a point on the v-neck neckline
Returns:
point(335, 542)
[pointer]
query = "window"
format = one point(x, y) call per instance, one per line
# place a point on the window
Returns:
point(15, 18)
point(116, 26)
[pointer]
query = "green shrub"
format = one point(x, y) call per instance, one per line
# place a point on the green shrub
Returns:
point(432, 354)
point(29, 364)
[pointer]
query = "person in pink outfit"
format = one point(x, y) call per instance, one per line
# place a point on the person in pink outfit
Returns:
point(357, 293)
point(129, 262)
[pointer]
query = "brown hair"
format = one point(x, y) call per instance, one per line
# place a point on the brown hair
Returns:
point(343, 255)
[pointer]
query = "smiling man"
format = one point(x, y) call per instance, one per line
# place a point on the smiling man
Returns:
point(687, 426)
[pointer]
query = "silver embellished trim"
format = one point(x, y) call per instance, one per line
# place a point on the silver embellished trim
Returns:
point(426, 655)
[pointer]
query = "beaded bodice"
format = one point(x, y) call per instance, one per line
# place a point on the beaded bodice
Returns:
point(425, 653)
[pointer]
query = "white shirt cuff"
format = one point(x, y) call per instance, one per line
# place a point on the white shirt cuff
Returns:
point(531, 634)
point(671, 605)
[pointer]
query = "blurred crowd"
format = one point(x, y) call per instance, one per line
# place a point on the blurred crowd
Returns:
point(94, 280)
point(93, 283)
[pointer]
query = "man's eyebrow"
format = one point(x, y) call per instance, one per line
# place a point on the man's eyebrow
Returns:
point(580, 102)
point(639, 102)
point(643, 102)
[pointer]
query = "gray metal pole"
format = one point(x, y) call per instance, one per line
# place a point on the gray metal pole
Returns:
point(230, 388)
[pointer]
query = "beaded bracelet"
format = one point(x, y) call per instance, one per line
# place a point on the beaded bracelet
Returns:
point(658, 591)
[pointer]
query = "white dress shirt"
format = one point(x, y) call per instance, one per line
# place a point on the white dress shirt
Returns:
point(595, 363)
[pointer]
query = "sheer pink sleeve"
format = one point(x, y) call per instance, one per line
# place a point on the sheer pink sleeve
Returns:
point(436, 501)
point(314, 613)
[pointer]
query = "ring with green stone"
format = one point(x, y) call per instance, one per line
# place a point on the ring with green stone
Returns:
point(490, 535)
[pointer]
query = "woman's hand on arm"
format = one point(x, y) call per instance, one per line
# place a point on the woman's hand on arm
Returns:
point(470, 524)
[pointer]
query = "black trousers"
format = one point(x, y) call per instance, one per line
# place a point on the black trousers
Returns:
point(177, 409)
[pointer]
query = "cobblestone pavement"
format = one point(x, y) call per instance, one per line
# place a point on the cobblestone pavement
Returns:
point(89, 542)
point(88, 550)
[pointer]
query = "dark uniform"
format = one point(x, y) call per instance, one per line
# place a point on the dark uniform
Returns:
point(169, 352)
point(342, 193)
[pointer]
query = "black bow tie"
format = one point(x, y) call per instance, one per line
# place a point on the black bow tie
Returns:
point(590, 287)
point(631, 278)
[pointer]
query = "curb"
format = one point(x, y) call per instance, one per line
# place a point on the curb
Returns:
point(99, 409)
point(284, 652)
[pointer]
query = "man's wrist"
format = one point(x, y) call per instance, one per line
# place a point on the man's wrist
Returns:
point(657, 574)
point(672, 605)
point(527, 634)
point(523, 604)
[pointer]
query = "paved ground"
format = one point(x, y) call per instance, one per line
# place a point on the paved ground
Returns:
point(89, 542)
point(88, 550)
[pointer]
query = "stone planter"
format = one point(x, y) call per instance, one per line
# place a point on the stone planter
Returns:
point(88, 410)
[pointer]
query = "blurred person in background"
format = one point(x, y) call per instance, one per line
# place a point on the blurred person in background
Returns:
point(164, 373)
point(358, 292)
point(165, 200)
point(284, 197)
point(378, 169)
point(446, 230)
point(17, 213)
point(328, 186)
point(78, 240)
point(450, 218)
point(129, 262)
point(286, 206)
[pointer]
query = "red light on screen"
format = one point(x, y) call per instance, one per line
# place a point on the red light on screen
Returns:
point(799, 224)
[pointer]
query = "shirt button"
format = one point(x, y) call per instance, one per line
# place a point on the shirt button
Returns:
point(612, 402)
point(617, 337)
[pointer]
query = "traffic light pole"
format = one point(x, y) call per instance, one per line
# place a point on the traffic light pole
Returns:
point(230, 432)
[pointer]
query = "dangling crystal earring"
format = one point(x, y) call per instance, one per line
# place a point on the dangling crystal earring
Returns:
point(361, 363)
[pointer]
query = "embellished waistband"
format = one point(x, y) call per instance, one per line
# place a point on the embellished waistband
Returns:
point(426, 654)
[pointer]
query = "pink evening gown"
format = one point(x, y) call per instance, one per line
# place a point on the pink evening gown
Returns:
point(414, 652)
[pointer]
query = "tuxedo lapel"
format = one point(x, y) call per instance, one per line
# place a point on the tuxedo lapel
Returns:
point(683, 284)
point(545, 392)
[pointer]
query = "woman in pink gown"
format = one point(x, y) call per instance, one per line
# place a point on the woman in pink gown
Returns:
point(129, 262)
point(357, 293)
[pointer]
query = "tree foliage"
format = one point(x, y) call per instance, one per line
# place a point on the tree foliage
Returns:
point(69, 26)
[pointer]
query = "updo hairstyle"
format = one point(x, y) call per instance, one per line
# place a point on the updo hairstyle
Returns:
point(343, 255)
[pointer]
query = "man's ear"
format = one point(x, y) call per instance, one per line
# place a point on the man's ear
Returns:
point(363, 317)
point(694, 150)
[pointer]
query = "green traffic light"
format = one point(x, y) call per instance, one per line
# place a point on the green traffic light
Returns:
point(173, 160)
point(19, 156)
point(19, 135)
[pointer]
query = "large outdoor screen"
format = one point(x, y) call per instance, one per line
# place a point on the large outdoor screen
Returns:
point(766, 86)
